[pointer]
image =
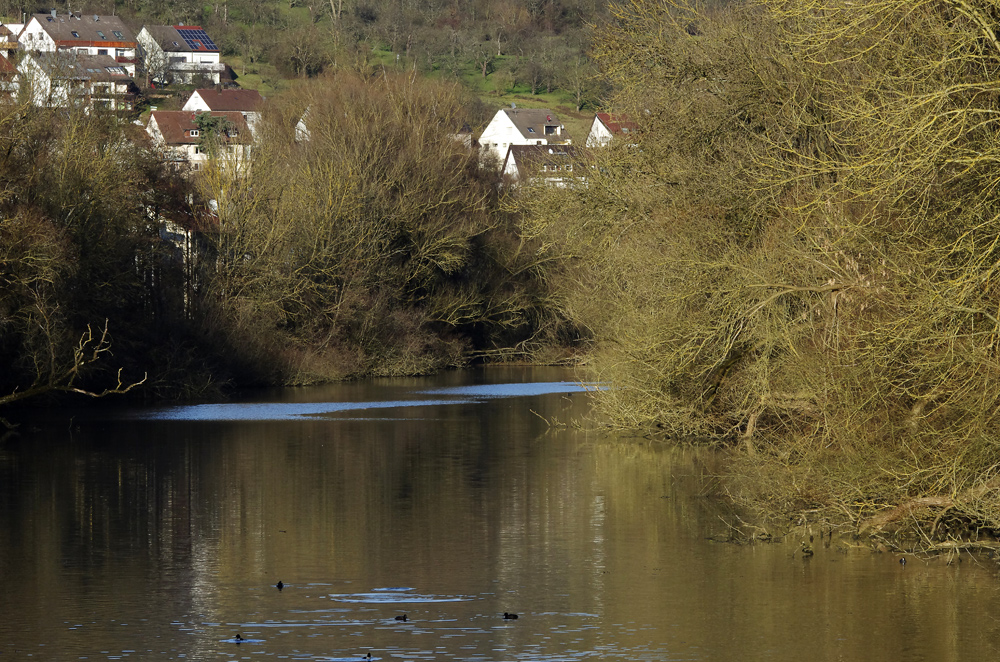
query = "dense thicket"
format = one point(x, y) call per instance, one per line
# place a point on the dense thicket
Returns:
point(368, 232)
point(799, 255)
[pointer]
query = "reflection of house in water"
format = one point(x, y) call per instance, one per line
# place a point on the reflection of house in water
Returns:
point(550, 165)
point(62, 79)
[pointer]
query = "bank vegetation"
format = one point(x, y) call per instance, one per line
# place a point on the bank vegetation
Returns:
point(797, 257)
point(374, 245)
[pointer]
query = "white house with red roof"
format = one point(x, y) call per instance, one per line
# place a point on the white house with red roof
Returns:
point(179, 54)
point(520, 126)
point(179, 137)
point(247, 102)
point(83, 34)
point(607, 127)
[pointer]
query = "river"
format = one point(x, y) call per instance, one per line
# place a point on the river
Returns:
point(161, 533)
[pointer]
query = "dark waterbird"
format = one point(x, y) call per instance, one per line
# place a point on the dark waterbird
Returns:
point(401, 618)
point(367, 657)
point(238, 638)
point(509, 617)
point(280, 585)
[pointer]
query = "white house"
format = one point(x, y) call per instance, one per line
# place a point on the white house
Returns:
point(247, 102)
point(88, 34)
point(62, 79)
point(551, 165)
point(177, 134)
point(520, 126)
point(607, 127)
point(179, 53)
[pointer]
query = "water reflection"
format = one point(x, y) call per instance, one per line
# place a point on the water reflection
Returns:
point(130, 537)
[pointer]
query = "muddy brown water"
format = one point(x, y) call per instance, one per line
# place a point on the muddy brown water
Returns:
point(160, 533)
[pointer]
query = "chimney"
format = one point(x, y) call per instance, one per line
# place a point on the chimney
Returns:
point(53, 13)
point(96, 18)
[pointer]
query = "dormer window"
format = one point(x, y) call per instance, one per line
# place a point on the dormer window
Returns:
point(193, 133)
point(75, 34)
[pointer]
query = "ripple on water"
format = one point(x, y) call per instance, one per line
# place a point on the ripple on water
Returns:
point(396, 595)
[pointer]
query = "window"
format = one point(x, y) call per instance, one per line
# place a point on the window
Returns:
point(530, 130)
point(120, 52)
point(538, 142)
point(194, 133)
point(75, 34)
point(551, 130)
point(119, 34)
point(176, 44)
point(100, 34)
point(102, 51)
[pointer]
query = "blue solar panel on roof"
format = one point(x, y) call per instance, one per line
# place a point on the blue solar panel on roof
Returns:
point(198, 40)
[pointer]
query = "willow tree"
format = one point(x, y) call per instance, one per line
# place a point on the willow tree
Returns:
point(800, 256)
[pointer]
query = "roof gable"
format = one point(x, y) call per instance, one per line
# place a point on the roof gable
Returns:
point(181, 38)
point(228, 100)
point(534, 123)
point(617, 124)
point(62, 65)
point(70, 30)
point(544, 160)
point(174, 126)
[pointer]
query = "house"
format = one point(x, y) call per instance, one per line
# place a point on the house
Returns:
point(61, 79)
point(551, 165)
point(8, 39)
point(247, 102)
point(179, 53)
point(178, 136)
point(607, 126)
point(520, 126)
point(8, 80)
point(89, 34)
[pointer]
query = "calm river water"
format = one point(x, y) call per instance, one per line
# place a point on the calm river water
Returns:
point(159, 534)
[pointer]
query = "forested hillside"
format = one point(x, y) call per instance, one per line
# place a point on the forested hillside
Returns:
point(491, 46)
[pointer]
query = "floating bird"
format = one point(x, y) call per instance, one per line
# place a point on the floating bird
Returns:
point(367, 657)
point(238, 638)
point(509, 617)
point(902, 561)
point(401, 618)
point(807, 549)
point(280, 585)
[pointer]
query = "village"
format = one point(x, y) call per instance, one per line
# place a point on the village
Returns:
point(96, 62)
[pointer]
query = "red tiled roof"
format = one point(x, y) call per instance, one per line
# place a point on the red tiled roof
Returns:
point(226, 100)
point(175, 126)
point(617, 124)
